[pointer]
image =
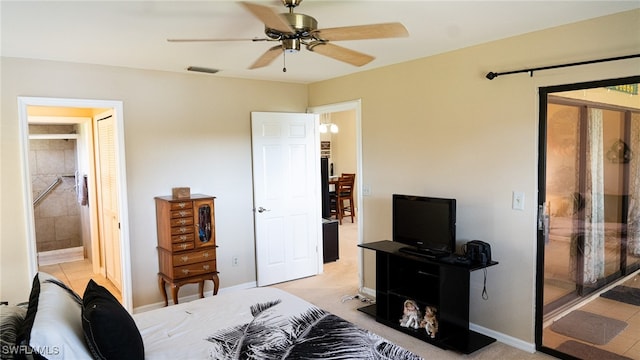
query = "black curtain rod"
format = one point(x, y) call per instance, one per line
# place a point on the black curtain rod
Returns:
point(492, 75)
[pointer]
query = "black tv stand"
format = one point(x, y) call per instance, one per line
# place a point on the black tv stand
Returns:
point(428, 253)
point(437, 282)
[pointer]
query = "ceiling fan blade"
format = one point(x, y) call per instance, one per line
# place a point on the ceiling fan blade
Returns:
point(270, 17)
point(214, 40)
point(268, 57)
point(362, 32)
point(340, 53)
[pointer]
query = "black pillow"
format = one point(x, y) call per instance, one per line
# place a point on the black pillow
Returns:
point(108, 328)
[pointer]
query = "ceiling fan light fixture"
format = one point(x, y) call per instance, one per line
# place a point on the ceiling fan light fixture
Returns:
point(291, 46)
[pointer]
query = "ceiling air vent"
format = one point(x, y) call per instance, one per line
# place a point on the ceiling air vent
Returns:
point(202, 69)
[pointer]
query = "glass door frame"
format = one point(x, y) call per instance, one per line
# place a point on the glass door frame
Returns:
point(544, 93)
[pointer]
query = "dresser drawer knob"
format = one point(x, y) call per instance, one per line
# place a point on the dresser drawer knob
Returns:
point(183, 246)
point(183, 237)
point(182, 205)
point(182, 213)
point(206, 267)
point(182, 221)
point(185, 271)
point(184, 258)
point(206, 255)
point(183, 229)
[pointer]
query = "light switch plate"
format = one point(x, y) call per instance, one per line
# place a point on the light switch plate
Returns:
point(517, 200)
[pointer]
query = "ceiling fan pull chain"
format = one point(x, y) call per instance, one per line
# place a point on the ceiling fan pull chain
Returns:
point(284, 61)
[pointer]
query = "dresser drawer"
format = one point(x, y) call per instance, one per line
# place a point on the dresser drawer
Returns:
point(181, 221)
point(194, 257)
point(194, 269)
point(182, 246)
point(182, 213)
point(180, 230)
point(182, 205)
point(182, 238)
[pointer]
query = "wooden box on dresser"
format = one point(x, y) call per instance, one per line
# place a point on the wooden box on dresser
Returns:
point(186, 243)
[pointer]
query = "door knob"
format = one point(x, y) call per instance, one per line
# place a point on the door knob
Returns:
point(261, 209)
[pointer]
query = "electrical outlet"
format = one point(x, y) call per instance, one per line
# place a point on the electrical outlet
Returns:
point(234, 261)
point(366, 190)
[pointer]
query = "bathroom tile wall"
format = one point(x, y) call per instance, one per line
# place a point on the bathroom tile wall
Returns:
point(57, 216)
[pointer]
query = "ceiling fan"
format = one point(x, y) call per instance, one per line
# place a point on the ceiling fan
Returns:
point(293, 30)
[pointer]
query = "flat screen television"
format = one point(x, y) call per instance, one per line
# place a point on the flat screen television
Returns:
point(427, 224)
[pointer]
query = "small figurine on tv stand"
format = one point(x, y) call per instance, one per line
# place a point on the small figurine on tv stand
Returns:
point(411, 315)
point(430, 322)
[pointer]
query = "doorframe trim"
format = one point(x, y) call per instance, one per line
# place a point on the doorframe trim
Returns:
point(355, 105)
point(125, 251)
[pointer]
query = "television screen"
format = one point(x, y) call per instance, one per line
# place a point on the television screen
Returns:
point(427, 223)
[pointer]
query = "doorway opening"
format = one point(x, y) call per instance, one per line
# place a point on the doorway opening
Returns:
point(589, 213)
point(343, 148)
point(69, 233)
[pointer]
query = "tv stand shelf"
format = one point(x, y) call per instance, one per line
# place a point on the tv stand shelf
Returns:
point(439, 282)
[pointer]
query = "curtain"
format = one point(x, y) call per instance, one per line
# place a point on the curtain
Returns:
point(594, 204)
point(590, 221)
point(633, 224)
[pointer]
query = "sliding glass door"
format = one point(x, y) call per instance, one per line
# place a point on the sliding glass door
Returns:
point(589, 203)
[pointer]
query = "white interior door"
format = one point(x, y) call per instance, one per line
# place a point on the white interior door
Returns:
point(108, 199)
point(286, 170)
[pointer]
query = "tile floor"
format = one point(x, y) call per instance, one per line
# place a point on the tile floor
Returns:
point(627, 343)
point(76, 275)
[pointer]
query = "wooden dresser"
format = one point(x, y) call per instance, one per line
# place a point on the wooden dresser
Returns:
point(186, 243)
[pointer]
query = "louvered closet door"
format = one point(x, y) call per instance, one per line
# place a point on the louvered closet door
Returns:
point(108, 204)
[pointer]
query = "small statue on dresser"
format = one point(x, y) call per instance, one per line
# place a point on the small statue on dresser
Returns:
point(429, 322)
point(411, 315)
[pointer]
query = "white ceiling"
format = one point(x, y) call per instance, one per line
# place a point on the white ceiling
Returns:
point(133, 33)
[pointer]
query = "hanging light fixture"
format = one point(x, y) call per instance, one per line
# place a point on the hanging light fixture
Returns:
point(327, 125)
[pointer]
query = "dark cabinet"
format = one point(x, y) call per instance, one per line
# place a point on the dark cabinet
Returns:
point(330, 244)
point(442, 284)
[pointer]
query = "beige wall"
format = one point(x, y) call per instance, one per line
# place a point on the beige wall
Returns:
point(437, 126)
point(343, 143)
point(180, 130)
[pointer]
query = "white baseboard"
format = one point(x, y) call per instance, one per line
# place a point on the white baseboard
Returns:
point(504, 338)
point(184, 299)
point(370, 292)
point(60, 256)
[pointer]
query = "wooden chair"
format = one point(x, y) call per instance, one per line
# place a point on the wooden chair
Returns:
point(333, 203)
point(344, 192)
